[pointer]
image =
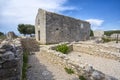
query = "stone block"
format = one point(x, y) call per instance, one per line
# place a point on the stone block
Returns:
point(5, 73)
point(7, 47)
point(10, 63)
point(2, 51)
point(89, 69)
point(8, 55)
point(96, 75)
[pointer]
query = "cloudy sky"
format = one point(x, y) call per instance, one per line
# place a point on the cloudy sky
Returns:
point(102, 14)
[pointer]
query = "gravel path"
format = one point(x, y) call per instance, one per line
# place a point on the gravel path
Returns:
point(107, 66)
point(42, 69)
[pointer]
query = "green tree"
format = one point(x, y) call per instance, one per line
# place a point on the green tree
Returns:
point(1, 34)
point(26, 29)
point(91, 33)
point(30, 29)
point(22, 29)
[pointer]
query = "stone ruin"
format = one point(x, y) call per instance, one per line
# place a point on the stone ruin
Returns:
point(11, 35)
point(115, 36)
point(11, 60)
point(80, 68)
point(54, 28)
point(98, 33)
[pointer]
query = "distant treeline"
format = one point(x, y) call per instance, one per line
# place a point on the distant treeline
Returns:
point(108, 33)
point(1, 33)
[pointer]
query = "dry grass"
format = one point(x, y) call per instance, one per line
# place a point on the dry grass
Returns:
point(30, 45)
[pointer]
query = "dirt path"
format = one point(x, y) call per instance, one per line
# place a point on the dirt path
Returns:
point(107, 66)
point(43, 69)
point(40, 68)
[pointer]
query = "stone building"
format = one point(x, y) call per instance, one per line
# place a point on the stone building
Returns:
point(54, 28)
point(98, 33)
point(115, 36)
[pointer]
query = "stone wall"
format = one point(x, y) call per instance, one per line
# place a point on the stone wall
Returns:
point(55, 28)
point(114, 36)
point(80, 68)
point(98, 50)
point(40, 26)
point(98, 33)
point(60, 28)
point(11, 55)
point(11, 35)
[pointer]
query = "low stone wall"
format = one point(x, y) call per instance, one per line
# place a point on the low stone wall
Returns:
point(97, 50)
point(11, 60)
point(81, 69)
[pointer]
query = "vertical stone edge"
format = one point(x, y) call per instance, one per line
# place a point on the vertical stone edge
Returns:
point(41, 17)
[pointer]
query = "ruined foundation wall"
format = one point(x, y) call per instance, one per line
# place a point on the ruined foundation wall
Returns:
point(11, 60)
point(98, 50)
point(80, 69)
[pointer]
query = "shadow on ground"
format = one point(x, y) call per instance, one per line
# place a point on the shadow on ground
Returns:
point(36, 70)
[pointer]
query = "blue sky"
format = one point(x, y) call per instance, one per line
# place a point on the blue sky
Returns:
point(102, 14)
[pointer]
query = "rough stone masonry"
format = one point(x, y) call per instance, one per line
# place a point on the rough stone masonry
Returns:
point(11, 56)
point(54, 28)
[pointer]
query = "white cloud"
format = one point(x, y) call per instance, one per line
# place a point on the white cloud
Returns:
point(95, 23)
point(24, 11)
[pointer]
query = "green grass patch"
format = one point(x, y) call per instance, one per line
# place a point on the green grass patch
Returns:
point(25, 65)
point(69, 71)
point(2, 37)
point(82, 78)
point(62, 48)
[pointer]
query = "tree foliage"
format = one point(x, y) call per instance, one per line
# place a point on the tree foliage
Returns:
point(108, 33)
point(91, 33)
point(26, 29)
point(1, 33)
point(2, 36)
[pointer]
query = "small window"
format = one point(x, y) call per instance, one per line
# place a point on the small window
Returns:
point(82, 25)
point(57, 29)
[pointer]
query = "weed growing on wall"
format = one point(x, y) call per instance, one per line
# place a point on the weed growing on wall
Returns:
point(69, 71)
point(62, 48)
point(82, 78)
point(106, 40)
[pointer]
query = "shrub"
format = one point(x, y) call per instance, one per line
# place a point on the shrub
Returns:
point(62, 48)
point(82, 78)
point(106, 39)
point(91, 33)
point(69, 71)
